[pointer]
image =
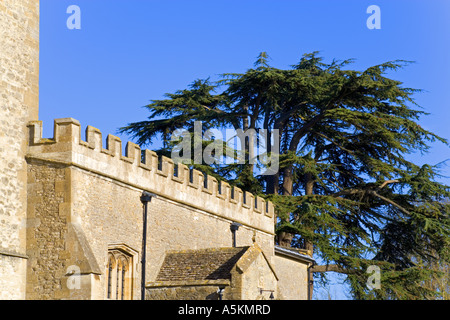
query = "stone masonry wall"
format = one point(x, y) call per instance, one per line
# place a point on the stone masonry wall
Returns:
point(186, 292)
point(293, 282)
point(47, 230)
point(19, 72)
point(257, 277)
point(110, 212)
point(60, 261)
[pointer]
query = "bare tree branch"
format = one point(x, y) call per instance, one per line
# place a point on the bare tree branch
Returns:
point(390, 202)
point(384, 184)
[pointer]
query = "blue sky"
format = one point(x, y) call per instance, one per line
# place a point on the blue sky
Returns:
point(129, 52)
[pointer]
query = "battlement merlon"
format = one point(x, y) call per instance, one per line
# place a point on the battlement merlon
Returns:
point(143, 169)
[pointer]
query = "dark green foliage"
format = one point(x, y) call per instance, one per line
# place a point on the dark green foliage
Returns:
point(345, 187)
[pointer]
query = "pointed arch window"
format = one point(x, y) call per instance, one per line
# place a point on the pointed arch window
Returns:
point(119, 275)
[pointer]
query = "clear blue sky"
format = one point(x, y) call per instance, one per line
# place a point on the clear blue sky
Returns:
point(129, 52)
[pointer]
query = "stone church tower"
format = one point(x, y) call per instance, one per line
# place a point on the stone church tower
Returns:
point(19, 98)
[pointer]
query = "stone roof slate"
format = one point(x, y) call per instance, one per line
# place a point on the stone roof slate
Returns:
point(200, 264)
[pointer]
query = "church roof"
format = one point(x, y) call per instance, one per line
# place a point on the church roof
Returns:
point(200, 264)
point(295, 254)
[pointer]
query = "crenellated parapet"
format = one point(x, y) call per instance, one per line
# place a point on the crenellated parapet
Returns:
point(143, 169)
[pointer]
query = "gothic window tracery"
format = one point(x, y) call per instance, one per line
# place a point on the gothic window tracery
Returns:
point(119, 275)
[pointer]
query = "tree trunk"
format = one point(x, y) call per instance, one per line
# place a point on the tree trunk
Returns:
point(309, 191)
point(285, 238)
point(248, 144)
point(272, 183)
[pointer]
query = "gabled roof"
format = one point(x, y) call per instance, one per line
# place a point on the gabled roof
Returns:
point(200, 264)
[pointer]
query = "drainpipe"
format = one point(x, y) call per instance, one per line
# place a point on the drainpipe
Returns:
point(309, 283)
point(310, 280)
point(146, 197)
